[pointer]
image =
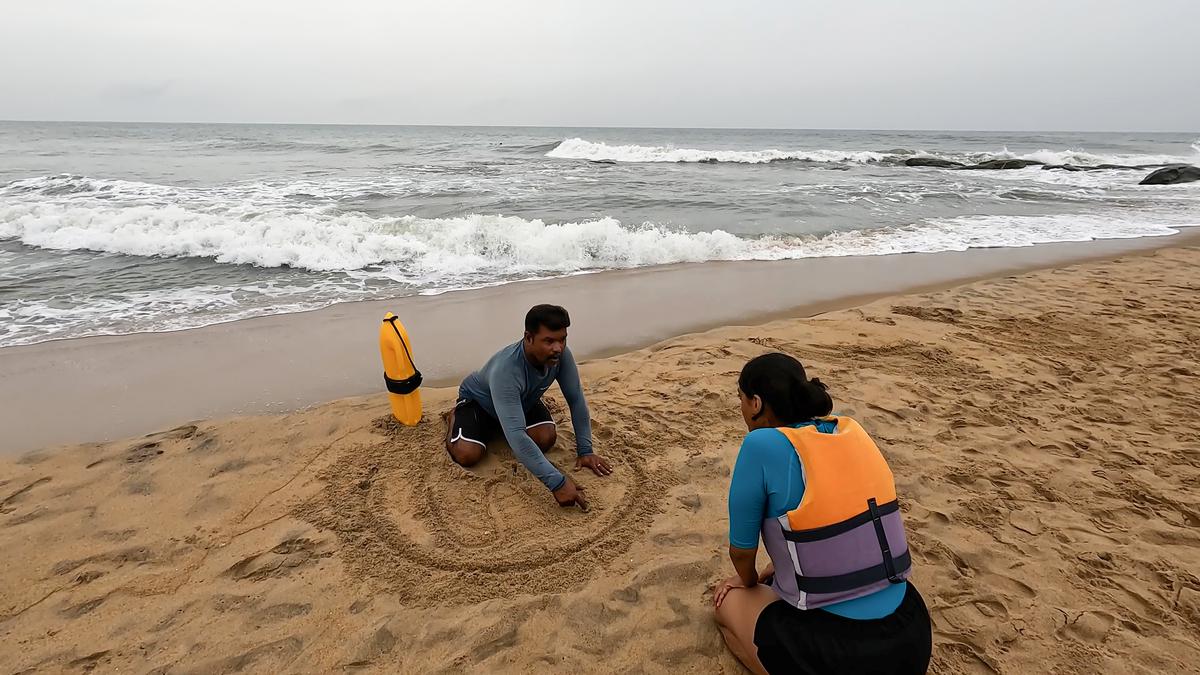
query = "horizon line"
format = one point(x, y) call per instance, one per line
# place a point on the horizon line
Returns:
point(586, 126)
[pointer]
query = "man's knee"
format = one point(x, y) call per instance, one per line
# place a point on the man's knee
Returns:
point(465, 452)
point(545, 435)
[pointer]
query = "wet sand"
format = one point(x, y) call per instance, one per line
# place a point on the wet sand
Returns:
point(104, 388)
point(1043, 430)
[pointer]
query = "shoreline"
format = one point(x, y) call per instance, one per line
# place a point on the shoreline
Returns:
point(150, 381)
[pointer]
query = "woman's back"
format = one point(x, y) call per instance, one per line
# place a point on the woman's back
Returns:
point(822, 498)
point(767, 482)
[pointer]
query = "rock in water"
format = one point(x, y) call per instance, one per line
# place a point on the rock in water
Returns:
point(1005, 164)
point(1172, 175)
point(932, 161)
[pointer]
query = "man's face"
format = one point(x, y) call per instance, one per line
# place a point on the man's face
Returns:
point(546, 346)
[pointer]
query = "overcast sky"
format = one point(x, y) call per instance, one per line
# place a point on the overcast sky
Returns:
point(902, 64)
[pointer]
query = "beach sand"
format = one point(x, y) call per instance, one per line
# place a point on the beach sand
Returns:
point(1043, 429)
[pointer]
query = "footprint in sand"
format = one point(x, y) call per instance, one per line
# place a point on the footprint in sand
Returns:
point(380, 643)
point(279, 561)
point(937, 314)
point(7, 505)
point(1088, 626)
point(281, 612)
point(268, 657)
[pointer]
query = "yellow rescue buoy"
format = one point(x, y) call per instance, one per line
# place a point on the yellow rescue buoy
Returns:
point(400, 374)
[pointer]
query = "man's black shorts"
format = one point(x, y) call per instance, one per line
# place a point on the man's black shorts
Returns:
point(473, 424)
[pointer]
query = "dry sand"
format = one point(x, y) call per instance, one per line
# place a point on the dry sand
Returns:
point(1044, 432)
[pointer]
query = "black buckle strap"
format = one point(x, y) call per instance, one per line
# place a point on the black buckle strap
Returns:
point(844, 582)
point(406, 386)
point(819, 533)
point(889, 565)
point(409, 384)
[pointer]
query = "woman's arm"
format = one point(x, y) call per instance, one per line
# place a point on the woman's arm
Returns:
point(746, 577)
point(747, 507)
point(743, 561)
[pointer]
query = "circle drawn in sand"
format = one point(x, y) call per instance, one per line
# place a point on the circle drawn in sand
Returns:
point(414, 523)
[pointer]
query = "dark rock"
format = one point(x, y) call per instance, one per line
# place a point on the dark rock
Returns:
point(1005, 164)
point(932, 161)
point(1172, 175)
point(1063, 167)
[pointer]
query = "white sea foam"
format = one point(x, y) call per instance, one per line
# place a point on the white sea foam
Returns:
point(432, 251)
point(357, 254)
point(1084, 158)
point(83, 314)
point(436, 255)
point(994, 231)
point(578, 148)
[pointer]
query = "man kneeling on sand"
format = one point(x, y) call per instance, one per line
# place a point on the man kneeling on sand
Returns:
point(505, 397)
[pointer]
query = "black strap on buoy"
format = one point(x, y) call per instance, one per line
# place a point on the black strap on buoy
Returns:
point(409, 384)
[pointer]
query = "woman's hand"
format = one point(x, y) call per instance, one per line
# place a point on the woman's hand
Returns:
point(722, 589)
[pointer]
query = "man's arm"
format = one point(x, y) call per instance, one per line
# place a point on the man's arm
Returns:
point(572, 389)
point(506, 398)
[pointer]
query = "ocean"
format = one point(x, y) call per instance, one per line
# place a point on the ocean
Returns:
point(119, 228)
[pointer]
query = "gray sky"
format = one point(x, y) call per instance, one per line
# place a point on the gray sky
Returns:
point(912, 64)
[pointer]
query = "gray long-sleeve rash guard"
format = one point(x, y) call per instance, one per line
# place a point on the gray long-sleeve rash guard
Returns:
point(508, 385)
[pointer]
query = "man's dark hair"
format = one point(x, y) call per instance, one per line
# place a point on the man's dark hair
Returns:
point(552, 317)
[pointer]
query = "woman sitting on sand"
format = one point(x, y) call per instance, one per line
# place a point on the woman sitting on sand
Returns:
point(834, 598)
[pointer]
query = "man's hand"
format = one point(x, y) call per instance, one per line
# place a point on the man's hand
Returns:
point(596, 463)
point(571, 494)
point(722, 589)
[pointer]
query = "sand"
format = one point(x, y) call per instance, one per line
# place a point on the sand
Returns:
point(1043, 430)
